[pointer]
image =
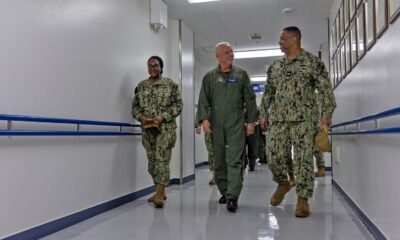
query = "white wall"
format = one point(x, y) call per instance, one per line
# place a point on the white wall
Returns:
point(74, 59)
point(367, 167)
point(200, 70)
point(187, 65)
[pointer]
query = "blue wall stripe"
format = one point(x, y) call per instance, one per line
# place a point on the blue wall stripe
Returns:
point(62, 223)
point(360, 214)
point(197, 165)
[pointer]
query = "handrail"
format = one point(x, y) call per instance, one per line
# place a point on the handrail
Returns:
point(370, 131)
point(63, 120)
point(383, 114)
point(373, 117)
point(77, 132)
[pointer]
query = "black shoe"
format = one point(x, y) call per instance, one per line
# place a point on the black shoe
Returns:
point(232, 205)
point(251, 168)
point(222, 200)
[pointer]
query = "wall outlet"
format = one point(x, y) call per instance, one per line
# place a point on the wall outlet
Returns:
point(337, 155)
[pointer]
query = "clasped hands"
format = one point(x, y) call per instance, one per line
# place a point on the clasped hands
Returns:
point(156, 121)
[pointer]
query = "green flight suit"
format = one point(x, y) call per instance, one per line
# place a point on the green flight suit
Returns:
point(223, 99)
point(162, 98)
point(289, 103)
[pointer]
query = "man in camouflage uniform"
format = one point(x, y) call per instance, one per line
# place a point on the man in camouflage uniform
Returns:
point(225, 92)
point(156, 104)
point(289, 108)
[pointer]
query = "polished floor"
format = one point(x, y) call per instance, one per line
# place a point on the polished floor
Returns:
point(192, 212)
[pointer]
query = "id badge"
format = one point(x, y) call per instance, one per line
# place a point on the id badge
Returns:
point(232, 80)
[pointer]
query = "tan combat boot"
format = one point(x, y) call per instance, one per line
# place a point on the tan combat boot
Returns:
point(280, 192)
point(159, 198)
point(302, 209)
point(320, 172)
point(292, 180)
point(151, 199)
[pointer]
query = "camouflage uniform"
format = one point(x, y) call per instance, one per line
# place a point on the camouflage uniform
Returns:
point(223, 98)
point(289, 104)
point(319, 158)
point(208, 141)
point(161, 99)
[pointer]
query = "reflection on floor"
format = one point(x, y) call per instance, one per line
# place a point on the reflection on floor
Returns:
point(192, 212)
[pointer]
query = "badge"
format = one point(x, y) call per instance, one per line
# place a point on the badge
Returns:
point(220, 79)
point(232, 80)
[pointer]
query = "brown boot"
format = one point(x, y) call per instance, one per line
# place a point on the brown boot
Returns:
point(151, 199)
point(159, 198)
point(292, 180)
point(280, 192)
point(302, 209)
point(320, 172)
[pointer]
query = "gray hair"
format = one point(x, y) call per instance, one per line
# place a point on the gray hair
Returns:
point(222, 44)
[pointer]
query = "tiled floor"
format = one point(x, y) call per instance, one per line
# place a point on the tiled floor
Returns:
point(192, 212)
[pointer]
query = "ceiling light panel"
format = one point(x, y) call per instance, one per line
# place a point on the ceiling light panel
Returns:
point(258, 53)
point(201, 1)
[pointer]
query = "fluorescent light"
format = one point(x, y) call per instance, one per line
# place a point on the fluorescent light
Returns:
point(201, 1)
point(258, 78)
point(258, 53)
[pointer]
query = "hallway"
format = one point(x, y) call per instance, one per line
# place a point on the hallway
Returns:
point(192, 212)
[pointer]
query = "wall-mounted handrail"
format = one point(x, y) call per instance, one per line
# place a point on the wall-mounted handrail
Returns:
point(373, 117)
point(77, 122)
point(387, 113)
point(62, 120)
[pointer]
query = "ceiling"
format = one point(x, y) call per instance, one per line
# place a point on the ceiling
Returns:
point(236, 20)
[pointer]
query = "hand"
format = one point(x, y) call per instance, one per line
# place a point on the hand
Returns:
point(144, 120)
point(157, 120)
point(198, 130)
point(206, 126)
point(249, 129)
point(264, 123)
point(325, 121)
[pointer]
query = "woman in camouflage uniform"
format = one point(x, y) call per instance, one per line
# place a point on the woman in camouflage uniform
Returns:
point(156, 104)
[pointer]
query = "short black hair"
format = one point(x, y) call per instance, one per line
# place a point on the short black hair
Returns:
point(294, 30)
point(160, 61)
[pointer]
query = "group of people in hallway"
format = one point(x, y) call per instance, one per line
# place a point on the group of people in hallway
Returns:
point(227, 112)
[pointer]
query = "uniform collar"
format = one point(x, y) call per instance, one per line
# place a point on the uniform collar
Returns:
point(300, 57)
point(161, 81)
point(219, 69)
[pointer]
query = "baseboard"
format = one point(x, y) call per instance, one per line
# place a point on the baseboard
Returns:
point(197, 165)
point(328, 169)
point(65, 222)
point(373, 229)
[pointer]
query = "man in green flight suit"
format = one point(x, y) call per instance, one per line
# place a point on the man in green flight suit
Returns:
point(225, 93)
point(288, 106)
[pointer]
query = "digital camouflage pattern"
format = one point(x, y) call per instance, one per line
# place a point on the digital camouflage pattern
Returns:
point(161, 99)
point(208, 141)
point(222, 100)
point(290, 104)
point(290, 91)
point(319, 158)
